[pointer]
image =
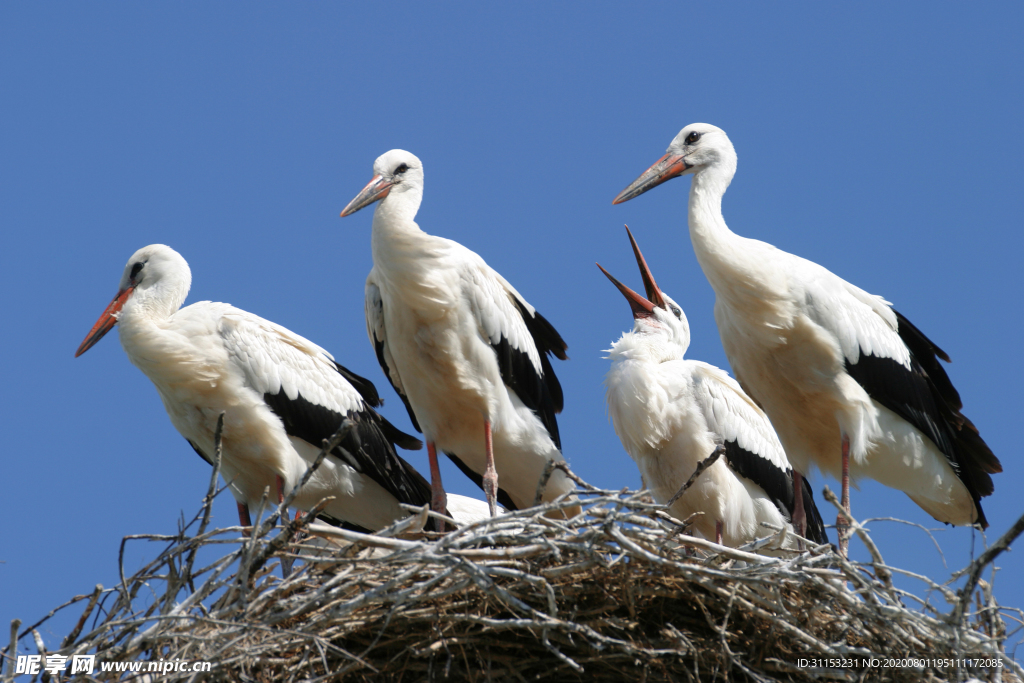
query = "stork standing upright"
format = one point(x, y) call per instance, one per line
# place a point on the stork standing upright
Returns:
point(464, 350)
point(850, 385)
point(281, 396)
point(671, 414)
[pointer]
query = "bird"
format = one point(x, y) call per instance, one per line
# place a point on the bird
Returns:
point(671, 414)
point(468, 355)
point(281, 395)
point(850, 384)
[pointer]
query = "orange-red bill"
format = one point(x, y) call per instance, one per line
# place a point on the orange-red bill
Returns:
point(106, 321)
point(641, 307)
point(665, 168)
point(653, 292)
point(375, 190)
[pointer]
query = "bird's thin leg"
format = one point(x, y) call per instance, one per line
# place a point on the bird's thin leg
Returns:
point(841, 526)
point(438, 500)
point(718, 531)
point(244, 519)
point(799, 517)
point(490, 478)
point(280, 494)
point(243, 515)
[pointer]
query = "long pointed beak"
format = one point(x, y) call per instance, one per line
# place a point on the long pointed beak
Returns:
point(665, 168)
point(642, 308)
point(653, 292)
point(106, 322)
point(376, 189)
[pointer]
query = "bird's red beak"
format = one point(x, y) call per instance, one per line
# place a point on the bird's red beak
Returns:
point(642, 308)
point(376, 189)
point(106, 322)
point(653, 292)
point(665, 168)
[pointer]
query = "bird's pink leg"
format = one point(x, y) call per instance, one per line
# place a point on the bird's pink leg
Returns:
point(438, 500)
point(490, 478)
point(243, 515)
point(280, 489)
point(718, 532)
point(799, 517)
point(841, 526)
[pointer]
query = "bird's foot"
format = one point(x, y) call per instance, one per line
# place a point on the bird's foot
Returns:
point(843, 530)
point(491, 492)
point(490, 477)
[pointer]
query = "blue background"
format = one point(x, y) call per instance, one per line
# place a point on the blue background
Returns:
point(882, 141)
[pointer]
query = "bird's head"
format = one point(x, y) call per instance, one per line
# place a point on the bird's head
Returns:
point(660, 327)
point(697, 147)
point(155, 276)
point(394, 173)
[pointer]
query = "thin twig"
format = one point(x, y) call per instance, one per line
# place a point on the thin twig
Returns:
point(974, 570)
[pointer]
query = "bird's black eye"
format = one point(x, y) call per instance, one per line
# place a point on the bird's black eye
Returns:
point(401, 169)
point(136, 268)
point(692, 138)
point(675, 309)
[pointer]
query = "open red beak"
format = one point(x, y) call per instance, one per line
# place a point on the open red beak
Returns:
point(665, 168)
point(375, 190)
point(642, 308)
point(653, 292)
point(106, 322)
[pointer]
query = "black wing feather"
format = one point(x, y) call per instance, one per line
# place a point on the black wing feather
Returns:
point(778, 485)
point(925, 397)
point(323, 517)
point(367, 447)
point(361, 384)
point(541, 393)
point(201, 454)
point(334, 521)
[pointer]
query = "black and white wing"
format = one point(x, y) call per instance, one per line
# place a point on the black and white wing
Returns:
point(311, 393)
point(898, 366)
point(378, 337)
point(522, 340)
point(752, 448)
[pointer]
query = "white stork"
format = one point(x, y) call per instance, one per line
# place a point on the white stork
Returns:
point(671, 414)
point(464, 350)
point(850, 385)
point(281, 395)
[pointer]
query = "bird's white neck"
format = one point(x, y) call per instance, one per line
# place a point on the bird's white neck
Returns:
point(644, 348)
point(394, 225)
point(158, 301)
point(712, 239)
point(143, 328)
point(741, 270)
point(398, 210)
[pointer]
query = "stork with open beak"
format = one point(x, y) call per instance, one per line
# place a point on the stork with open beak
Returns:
point(671, 414)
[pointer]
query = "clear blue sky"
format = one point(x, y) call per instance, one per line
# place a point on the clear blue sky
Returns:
point(883, 141)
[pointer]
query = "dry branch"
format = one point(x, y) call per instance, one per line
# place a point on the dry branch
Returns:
point(616, 593)
point(613, 594)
